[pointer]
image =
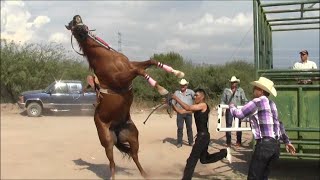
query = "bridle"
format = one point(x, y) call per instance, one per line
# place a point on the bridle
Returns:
point(73, 47)
point(93, 37)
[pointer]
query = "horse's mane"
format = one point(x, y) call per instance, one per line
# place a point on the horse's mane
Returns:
point(85, 55)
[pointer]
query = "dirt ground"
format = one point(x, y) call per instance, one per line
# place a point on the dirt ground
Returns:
point(66, 146)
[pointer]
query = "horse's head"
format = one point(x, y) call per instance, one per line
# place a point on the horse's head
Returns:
point(79, 30)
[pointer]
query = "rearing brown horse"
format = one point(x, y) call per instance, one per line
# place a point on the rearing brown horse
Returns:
point(115, 73)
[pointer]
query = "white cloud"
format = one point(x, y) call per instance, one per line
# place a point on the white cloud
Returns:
point(59, 38)
point(204, 30)
point(16, 24)
point(208, 25)
point(151, 26)
point(206, 19)
point(177, 45)
point(41, 20)
point(15, 3)
point(227, 47)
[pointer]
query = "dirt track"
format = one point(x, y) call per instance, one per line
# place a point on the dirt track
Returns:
point(67, 147)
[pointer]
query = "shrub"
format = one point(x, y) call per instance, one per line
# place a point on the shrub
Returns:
point(35, 66)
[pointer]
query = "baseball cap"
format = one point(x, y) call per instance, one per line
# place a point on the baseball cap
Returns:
point(304, 52)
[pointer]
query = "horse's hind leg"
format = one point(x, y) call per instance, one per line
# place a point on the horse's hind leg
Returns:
point(146, 64)
point(130, 134)
point(141, 66)
point(106, 141)
point(155, 84)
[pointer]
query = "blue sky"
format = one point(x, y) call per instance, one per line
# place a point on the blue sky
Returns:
point(212, 32)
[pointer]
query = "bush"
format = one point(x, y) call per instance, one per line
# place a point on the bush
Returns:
point(211, 78)
point(35, 66)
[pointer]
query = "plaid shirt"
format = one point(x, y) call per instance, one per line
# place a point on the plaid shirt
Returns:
point(263, 116)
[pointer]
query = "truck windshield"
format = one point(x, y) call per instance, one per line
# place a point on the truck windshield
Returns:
point(49, 87)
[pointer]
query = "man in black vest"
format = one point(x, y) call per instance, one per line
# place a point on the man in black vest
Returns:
point(200, 148)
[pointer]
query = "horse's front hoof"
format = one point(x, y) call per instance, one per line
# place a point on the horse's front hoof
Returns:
point(162, 90)
point(178, 74)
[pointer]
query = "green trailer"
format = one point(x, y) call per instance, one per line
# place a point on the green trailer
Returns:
point(298, 104)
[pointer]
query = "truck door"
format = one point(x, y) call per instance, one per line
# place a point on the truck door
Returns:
point(60, 98)
point(75, 91)
point(87, 99)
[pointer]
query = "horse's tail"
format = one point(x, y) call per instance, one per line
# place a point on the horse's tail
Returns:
point(124, 148)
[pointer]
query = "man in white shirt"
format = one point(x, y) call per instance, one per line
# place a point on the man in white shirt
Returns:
point(305, 63)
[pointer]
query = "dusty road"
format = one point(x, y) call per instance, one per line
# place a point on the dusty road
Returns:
point(67, 147)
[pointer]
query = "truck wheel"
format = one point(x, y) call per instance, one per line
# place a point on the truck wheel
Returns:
point(34, 109)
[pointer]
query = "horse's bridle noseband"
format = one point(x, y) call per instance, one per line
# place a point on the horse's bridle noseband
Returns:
point(93, 37)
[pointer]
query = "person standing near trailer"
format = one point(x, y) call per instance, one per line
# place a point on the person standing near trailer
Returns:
point(266, 128)
point(235, 95)
point(304, 63)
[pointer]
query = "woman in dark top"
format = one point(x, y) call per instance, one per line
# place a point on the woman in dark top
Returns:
point(200, 148)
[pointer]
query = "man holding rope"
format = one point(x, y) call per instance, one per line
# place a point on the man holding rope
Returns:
point(199, 150)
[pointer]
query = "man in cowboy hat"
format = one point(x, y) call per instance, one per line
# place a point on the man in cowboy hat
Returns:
point(235, 95)
point(305, 63)
point(266, 128)
point(187, 96)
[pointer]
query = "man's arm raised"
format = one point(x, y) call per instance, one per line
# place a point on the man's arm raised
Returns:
point(194, 107)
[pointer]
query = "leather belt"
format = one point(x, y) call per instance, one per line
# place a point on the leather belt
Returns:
point(266, 139)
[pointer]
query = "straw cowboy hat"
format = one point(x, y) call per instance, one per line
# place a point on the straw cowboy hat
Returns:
point(234, 79)
point(265, 84)
point(183, 82)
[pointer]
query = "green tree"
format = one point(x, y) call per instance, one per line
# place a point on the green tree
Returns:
point(34, 66)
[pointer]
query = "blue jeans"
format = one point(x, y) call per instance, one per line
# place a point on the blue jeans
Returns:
point(229, 119)
point(181, 118)
point(265, 153)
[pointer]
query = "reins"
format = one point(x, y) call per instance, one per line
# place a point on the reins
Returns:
point(73, 47)
point(144, 122)
point(95, 39)
point(168, 102)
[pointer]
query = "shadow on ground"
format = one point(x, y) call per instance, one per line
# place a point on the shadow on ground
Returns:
point(61, 113)
point(173, 141)
point(101, 170)
point(283, 169)
point(223, 172)
point(238, 169)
